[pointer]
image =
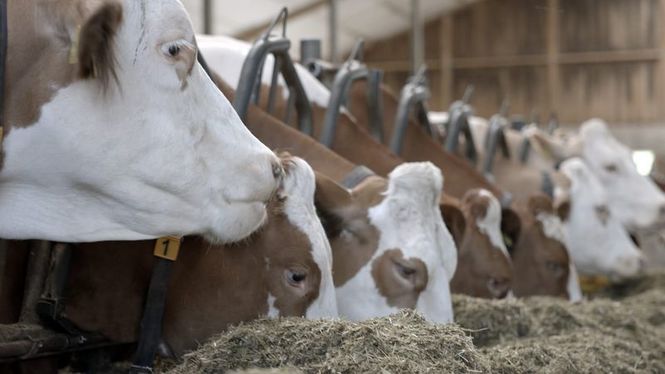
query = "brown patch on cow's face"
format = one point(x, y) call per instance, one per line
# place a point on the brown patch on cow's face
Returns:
point(344, 215)
point(482, 269)
point(541, 263)
point(398, 279)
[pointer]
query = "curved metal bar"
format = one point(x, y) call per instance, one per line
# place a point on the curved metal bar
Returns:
point(458, 123)
point(349, 72)
point(495, 139)
point(375, 103)
point(414, 94)
point(249, 82)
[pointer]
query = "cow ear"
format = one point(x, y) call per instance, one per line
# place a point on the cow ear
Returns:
point(331, 201)
point(95, 43)
point(455, 222)
point(511, 227)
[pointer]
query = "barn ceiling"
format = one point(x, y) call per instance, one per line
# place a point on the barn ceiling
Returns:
point(367, 19)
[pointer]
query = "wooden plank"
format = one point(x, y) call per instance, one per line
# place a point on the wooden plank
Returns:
point(553, 73)
point(660, 67)
point(446, 40)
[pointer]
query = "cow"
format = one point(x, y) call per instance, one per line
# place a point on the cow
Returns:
point(634, 198)
point(113, 131)
point(391, 249)
point(283, 269)
point(597, 241)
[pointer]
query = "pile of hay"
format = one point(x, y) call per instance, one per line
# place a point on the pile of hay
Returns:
point(402, 343)
point(507, 336)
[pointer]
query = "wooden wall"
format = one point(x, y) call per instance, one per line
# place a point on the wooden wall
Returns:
point(578, 58)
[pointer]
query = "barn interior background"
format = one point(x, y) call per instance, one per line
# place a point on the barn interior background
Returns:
point(576, 58)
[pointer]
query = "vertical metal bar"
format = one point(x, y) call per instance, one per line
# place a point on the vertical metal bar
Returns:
point(332, 30)
point(276, 68)
point(417, 37)
point(207, 17)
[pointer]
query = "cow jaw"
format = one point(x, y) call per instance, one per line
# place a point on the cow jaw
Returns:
point(159, 153)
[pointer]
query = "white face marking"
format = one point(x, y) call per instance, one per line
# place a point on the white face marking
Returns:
point(141, 161)
point(273, 312)
point(408, 219)
point(490, 225)
point(596, 247)
point(573, 285)
point(299, 187)
point(633, 197)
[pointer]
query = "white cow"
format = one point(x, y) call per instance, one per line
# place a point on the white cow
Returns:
point(597, 241)
point(634, 198)
point(114, 131)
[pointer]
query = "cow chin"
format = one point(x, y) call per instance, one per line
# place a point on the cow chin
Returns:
point(237, 222)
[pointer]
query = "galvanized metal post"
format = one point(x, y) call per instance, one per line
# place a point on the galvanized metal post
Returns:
point(207, 17)
point(332, 30)
point(417, 37)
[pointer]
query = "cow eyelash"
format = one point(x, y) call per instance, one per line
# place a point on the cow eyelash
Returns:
point(173, 49)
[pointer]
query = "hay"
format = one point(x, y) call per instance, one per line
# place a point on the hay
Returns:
point(402, 343)
point(622, 332)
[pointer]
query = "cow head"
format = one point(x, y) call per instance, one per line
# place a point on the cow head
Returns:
point(300, 266)
point(484, 266)
point(141, 145)
point(544, 268)
point(597, 241)
point(390, 247)
point(634, 198)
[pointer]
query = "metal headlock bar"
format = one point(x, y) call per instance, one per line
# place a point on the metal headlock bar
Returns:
point(458, 123)
point(249, 84)
point(495, 138)
point(553, 124)
point(525, 146)
point(413, 95)
point(352, 70)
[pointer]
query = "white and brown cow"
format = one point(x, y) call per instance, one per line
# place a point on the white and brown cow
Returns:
point(597, 241)
point(635, 199)
point(113, 130)
point(391, 249)
point(284, 269)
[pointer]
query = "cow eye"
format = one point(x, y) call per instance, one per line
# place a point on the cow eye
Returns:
point(174, 50)
point(557, 269)
point(611, 168)
point(295, 278)
point(404, 271)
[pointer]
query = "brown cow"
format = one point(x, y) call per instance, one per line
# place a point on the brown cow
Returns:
point(284, 269)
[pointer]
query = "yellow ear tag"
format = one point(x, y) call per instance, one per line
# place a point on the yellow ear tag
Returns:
point(167, 247)
point(593, 284)
point(74, 49)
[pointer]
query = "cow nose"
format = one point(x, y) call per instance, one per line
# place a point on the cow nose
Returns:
point(499, 288)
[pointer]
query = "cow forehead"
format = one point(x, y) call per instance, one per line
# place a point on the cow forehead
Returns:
point(552, 227)
point(490, 223)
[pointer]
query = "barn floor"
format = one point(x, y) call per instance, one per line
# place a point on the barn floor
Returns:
point(620, 331)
